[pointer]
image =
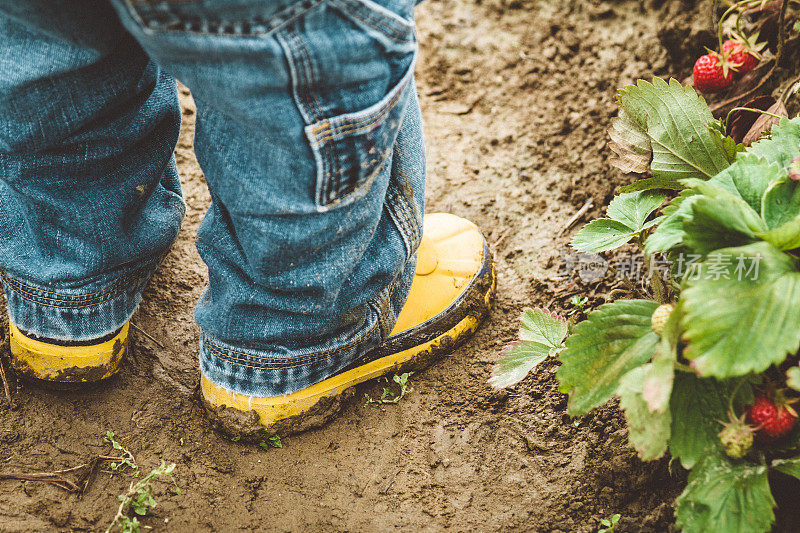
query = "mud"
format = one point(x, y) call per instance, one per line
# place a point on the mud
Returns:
point(517, 96)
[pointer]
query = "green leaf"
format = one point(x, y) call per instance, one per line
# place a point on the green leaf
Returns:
point(542, 335)
point(726, 497)
point(720, 220)
point(781, 203)
point(675, 125)
point(789, 467)
point(749, 178)
point(601, 235)
point(697, 406)
point(648, 184)
point(669, 232)
point(785, 237)
point(648, 432)
point(783, 146)
point(737, 326)
point(612, 341)
point(632, 209)
point(542, 326)
point(516, 361)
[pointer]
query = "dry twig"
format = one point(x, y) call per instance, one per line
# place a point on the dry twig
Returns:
point(57, 476)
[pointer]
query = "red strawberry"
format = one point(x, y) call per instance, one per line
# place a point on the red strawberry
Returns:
point(774, 419)
point(712, 74)
point(742, 60)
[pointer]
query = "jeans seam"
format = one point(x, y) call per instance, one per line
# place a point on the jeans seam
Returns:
point(386, 27)
point(292, 362)
point(203, 27)
point(366, 123)
point(112, 292)
point(76, 297)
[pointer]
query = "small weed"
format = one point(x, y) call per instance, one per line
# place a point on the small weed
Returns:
point(579, 304)
point(139, 498)
point(127, 457)
point(387, 396)
point(609, 524)
point(272, 442)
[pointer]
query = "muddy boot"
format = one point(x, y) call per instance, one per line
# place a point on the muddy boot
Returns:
point(67, 364)
point(451, 294)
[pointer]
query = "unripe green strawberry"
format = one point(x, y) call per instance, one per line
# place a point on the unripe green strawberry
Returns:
point(660, 316)
point(736, 437)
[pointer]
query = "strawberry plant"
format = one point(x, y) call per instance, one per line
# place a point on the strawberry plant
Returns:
point(705, 365)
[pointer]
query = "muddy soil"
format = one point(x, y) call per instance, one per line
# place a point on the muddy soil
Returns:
point(517, 97)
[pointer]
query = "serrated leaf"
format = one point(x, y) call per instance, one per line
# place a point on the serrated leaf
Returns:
point(782, 146)
point(602, 235)
point(720, 219)
point(612, 341)
point(749, 178)
point(633, 209)
point(516, 361)
point(649, 184)
point(542, 335)
point(781, 203)
point(697, 406)
point(726, 497)
point(785, 237)
point(648, 432)
point(669, 232)
point(630, 144)
point(793, 378)
point(789, 467)
point(737, 326)
point(676, 122)
point(540, 325)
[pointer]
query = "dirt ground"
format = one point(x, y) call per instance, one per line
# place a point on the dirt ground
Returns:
point(517, 97)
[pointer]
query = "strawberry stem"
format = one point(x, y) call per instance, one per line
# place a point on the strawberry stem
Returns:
point(752, 110)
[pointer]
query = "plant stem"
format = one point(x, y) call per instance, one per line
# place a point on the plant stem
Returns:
point(752, 110)
point(735, 392)
point(659, 290)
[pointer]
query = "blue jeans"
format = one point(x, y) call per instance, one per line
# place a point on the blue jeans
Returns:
point(309, 135)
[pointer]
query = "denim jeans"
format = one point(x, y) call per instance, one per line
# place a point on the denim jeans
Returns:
point(308, 133)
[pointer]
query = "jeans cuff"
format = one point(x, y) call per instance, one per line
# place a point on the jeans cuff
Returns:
point(271, 373)
point(79, 311)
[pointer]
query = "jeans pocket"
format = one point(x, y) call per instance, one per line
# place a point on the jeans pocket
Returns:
point(352, 149)
point(221, 17)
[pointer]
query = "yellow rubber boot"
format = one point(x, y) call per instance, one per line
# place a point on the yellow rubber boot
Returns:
point(69, 365)
point(451, 294)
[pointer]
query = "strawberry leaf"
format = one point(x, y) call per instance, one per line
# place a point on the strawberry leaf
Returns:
point(542, 326)
point(669, 233)
point(725, 496)
point(648, 432)
point(673, 127)
point(783, 146)
point(720, 219)
point(781, 203)
point(602, 235)
point(789, 467)
point(612, 341)
point(741, 322)
point(649, 184)
point(542, 335)
point(632, 209)
point(697, 406)
point(627, 216)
